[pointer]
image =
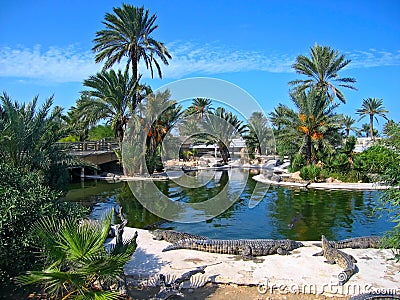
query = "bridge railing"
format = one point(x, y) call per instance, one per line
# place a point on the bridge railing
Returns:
point(91, 146)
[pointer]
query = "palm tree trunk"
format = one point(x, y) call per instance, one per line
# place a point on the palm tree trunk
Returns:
point(224, 152)
point(347, 132)
point(134, 61)
point(371, 126)
point(308, 150)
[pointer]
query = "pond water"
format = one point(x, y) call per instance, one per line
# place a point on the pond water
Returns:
point(281, 213)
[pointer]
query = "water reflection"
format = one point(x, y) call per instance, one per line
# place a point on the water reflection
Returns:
point(282, 213)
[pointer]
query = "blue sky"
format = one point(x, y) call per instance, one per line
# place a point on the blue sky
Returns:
point(45, 45)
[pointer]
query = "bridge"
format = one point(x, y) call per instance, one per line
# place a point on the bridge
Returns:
point(96, 153)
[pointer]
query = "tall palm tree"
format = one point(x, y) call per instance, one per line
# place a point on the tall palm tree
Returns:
point(128, 33)
point(222, 126)
point(276, 117)
point(372, 107)
point(365, 128)
point(321, 70)
point(260, 136)
point(200, 106)
point(161, 114)
point(348, 123)
point(110, 99)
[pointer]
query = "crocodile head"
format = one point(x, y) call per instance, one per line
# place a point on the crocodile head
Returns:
point(291, 245)
point(325, 243)
point(158, 234)
point(295, 244)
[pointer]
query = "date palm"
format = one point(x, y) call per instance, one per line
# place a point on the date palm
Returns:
point(312, 125)
point(200, 106)
point(110, 99)
point(128, 34)
point(372, 107)
point(260, 136)
point(348, 123)
point(161, 113)
point(321, 70)
point(276, 117)
point(222, 126)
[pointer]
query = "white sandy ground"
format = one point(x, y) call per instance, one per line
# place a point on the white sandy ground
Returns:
point(324, 185)
point(299, 272)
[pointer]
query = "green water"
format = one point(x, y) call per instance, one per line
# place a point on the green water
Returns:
point(282, 212)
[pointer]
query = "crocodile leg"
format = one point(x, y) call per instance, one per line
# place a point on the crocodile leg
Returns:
point(245, 252)
point(281, 251)
point(331, 262)
point(319, 253)
point(352, 258)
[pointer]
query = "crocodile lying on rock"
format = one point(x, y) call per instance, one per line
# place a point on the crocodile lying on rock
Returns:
point(335, 256)
point(362, 242)
point(246, 248)
point(173, 236)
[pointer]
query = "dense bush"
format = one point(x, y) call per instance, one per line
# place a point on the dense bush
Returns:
point(311, 172)
point(29, 138)
point(297, 162)
point(24, 199)
point(377, 158)
point(390, 199)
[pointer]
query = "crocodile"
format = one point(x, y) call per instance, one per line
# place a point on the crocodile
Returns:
point(173, 236)
point(335, 256)
point(246, 248)
point(362, 242)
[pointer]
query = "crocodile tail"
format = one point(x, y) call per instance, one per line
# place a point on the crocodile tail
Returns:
point(171, 247)
point(343, 277)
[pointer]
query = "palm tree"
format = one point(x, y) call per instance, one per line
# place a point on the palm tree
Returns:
point(372, 107)
point(200, 106)
point(322, 71)
point(193, 116)
point(159, 125)
point(365, 128)
point(77, 265)
point(260, 137)
point(128, 33)
point(221, 127)
point(276, 117)
point(312, 127)
point(348, 123)
point(110, 99)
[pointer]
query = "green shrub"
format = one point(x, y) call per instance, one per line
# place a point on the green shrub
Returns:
point(24, 199)
point(377, 158)
point(341, 163)
point(297, 162)
point(311, 172)
point(101, 132)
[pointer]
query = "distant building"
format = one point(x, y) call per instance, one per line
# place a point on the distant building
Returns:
point(363, 143)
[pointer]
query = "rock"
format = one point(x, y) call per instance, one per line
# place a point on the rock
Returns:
point(276, 178)
point(329, 180)
point(296, 175)
point(333, 180)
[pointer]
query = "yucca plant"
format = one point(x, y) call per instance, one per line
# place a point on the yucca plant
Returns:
point(77, 264)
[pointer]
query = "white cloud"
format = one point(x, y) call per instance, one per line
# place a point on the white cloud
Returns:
point(373, 58)
point(54, 64)
point(188, 58)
